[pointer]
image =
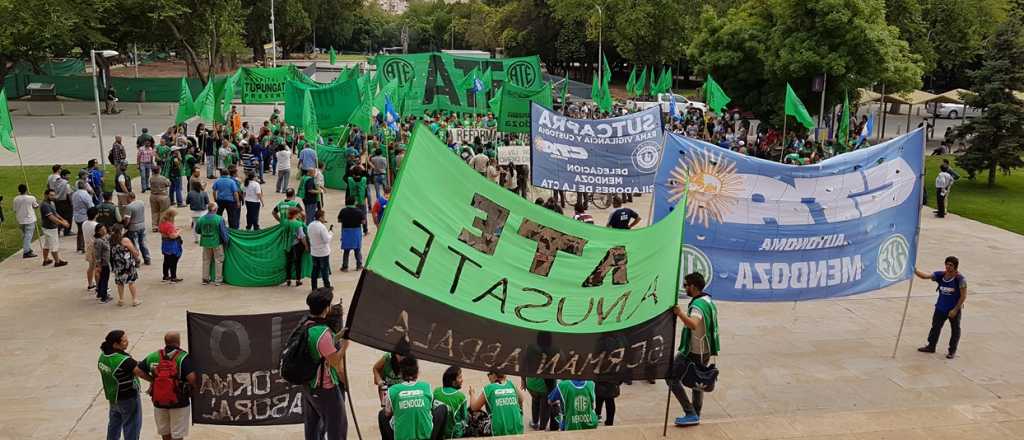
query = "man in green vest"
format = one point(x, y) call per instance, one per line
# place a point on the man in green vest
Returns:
point(450, 394)
point(323, 399)
point(119, 374)
point(213, 237)
point(698, 342)
point(172, 416)
point(356, 189)
point(504, 403)
point(576, 398)
point(409, 412)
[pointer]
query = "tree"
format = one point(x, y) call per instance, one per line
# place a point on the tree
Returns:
point(907, 16)
point(996, 138)
point(202, 27)
point(758, 46)
point(956, 31)
point(649, 32)
point(35, 30)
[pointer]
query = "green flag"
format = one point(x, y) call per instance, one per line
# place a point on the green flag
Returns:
point(6, 127)
point(488, 80)
point(796, 109)
point(641, 84)
point(595, 89)
point(228, 94)
point(715, 96)
point(309, 122)
point(565, 89)
point(606, 71)
point(606, 102)
point(631, 82)
point(186, 106)
point(334, 56)
point(470, 78)
point(206, 103)
point(844, 123)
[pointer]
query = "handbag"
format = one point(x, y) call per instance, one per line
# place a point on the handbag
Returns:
point(700, 377)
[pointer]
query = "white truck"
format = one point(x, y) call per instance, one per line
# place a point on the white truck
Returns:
point(665, 101)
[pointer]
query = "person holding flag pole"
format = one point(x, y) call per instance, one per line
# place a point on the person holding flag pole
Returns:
point(795, 108)
point(9, 142)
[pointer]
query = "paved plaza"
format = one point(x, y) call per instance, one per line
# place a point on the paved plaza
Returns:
point(811, 370)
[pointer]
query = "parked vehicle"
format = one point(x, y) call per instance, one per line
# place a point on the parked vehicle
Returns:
point(664, 100)
point(951, 111)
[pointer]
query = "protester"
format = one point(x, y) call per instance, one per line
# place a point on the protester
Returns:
point(81, 203)
point(576, 399)
point(323, 399)
point(378, 172)
point(943, 183)
point(170, 246)
point(309, 193)
point(450, 394)
point(253, 201)
point(952, 288)
point(283, 167)
point(296, 237)
point(159, 200)
point(124, 262)
point(88, 232)
point(581, 213)
point(356, 189)
point(541, 415)
point(225, 190)
point(197, 201)
point(135, 215)
point(698, 342)
point(504, 403)
point(409, 412)
point(214, 237)
point(119, 374)
point(605, 393)
point(320, 249)
point(95, 175)
point(479, 162)
point(352, 221)
point(386, 373)
point(379, 206)
point(103, 263)
point(107, 213)
point(62, 201)
point(307, 160)
point(622, 218)
point(122, 184)
point(50, 223)
point(145, 160)
point(25, 206)
point(174, 379)
point(280, 212)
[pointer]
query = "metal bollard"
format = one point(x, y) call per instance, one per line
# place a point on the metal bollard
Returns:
point(135, 129)
point(243, 111)
point(138, 108)
point(53, 131)
point(28, 108)
point(61, 109)
point(93, 130)
point(170, 109)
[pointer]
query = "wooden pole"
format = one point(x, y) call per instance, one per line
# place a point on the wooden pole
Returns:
point(782, 154)
point(910, 287)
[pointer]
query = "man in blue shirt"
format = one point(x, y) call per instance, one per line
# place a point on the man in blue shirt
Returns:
point(307, 159)
point(952, 288)
point(226, 190)
point(622, 218)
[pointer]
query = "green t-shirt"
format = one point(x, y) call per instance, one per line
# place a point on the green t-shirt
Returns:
point(283, 207)
point(503, 404)
point(389, 375)
point(578, 404)
point(209, 230)
point(356, 189)
point(187, 164)
point(536, 385)
point(458, 410)
point(315, 333)
point(163, 154)
point(411, 405)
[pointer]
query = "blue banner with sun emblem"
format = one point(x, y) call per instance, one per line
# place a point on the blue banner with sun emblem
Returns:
point(616, 155)
point(763, 231)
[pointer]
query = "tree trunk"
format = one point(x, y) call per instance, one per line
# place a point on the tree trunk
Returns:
point(992, 174)
point(189, 52)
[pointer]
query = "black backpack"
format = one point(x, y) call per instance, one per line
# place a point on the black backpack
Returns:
point(297, 366)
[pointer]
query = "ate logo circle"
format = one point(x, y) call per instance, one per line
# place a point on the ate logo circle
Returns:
point(521, 73)
point(694, 260)
point(893, 255)
point(397, 68)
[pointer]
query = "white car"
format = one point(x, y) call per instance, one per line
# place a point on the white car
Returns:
point(952, 111)
point(665, 101)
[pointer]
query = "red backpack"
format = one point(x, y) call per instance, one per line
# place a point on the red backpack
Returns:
point(166, 383)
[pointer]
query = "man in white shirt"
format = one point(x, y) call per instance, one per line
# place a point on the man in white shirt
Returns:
point(479, 162)
point(943, 182)
point(25, 212)
point(81, 201)
point(284, 168)
point(320, 249)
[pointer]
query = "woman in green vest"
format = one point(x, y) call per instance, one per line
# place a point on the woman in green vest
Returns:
point(577, 400)
point(409, 411)
point(504, 402)
point(119, 374)
point(698, 342)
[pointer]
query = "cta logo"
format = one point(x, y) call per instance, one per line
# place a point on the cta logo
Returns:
point(893, 255)
point(560, 151)
point(397, 68)
point(694, 260)
point(521, 73)
point(646, 156)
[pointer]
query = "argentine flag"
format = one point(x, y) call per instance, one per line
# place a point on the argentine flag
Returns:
point(866, 131)
point(390, 115)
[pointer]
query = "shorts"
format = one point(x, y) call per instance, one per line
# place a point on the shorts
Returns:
point(90, 255)
point(51, 240)
point(172, 421)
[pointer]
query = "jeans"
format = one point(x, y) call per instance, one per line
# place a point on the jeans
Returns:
point(217, 255)
point(378, 185)
point(675, 383)
point(176, 197)
point(311, 209)
point(103, 283)
point(125, 416)
point(293, 262)
point(252, 216)
point(359, 258)
point(170, 266)
point(321, 269)
point(282, 181)
point(28, 232)
point(139, 239)
point(145, 171)
point(273, 163)
point(211, 165)
point(234, 212)
point(366, 227)
point(940, 202)
point(323, 413)
point(938, 320)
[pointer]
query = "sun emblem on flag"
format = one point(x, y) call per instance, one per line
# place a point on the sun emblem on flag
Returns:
point(710, 183)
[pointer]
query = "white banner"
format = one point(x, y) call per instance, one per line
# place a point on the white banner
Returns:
point(517, 154)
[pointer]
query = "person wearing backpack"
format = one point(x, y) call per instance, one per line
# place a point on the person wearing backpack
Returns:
point(313, 358)
point(173, 381)
point(698, 342)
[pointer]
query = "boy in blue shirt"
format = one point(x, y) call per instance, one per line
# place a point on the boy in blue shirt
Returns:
point(952, 288)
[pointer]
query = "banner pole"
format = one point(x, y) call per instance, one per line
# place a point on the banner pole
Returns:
point(782, 154)
point(668, 401)
point(24, 175)
point(910, 287)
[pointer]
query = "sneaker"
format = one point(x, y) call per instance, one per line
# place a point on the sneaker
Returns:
point(106, 300)
point(91, 287)
point(175, 280)
point(927, 349)
point(29, 255)
point(60, 264)
point(688, 420)
point(951, 355)
point(47, 262)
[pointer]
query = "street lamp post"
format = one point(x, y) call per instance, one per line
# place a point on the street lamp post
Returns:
point(96, 96)
point(273, 36)
point(600, 53)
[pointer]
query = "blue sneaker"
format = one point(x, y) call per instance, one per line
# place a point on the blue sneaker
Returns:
point(688, 420)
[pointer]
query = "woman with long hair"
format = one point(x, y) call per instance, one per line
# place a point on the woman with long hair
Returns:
point(124, 263)
point(170, 246)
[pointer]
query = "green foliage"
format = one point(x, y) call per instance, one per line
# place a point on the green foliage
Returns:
point(996, 138)
point(999, 205)
point(957, 30)
point(35, 30)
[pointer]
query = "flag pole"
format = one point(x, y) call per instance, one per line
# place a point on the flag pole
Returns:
point(910, 287)
point(24, 175)
point(782, 154)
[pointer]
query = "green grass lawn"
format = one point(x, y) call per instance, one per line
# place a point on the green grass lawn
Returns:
point(11, 176)
point(1001, 206)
